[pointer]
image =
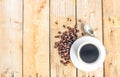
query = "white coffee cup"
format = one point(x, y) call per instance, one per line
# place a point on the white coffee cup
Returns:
point(79, 62)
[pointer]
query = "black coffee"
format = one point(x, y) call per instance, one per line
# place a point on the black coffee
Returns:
point(89, 53)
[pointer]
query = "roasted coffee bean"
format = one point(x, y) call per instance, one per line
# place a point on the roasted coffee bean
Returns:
point(56, 22)
point(68, 28)
point(68, 61)
point(57, 36)
point(67, 47)
point(61, 61)
point(65, 63)
point(55, 46)
point(62, 56)
point(82, 34)
point(66, 53)
point(59, 32)
point(68, 19)
point(64, 26)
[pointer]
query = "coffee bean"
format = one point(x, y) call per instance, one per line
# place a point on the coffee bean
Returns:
point(59, 32)
point(82, 34)
point(66, 54)
point(55, 46)
point(68, 19)
point(62, 56)
point(61, 61)
point(67, 47)
point(65, 63)
point(68, 28)
point(56, 22)
point(64, 26)
point(57, 36)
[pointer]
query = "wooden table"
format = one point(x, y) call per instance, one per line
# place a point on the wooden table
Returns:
point(28, 27)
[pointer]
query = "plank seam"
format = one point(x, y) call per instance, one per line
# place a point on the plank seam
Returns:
point(103, 33)
point(49, 42)
point(22, 37)
point(76, 24)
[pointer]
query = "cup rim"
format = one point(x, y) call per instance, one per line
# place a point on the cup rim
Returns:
point(79, 48)
point(82, 66)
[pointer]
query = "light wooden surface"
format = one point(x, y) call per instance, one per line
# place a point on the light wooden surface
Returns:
point(10, 38)
point(111, 18)
point(28, 27)
point(36, 38)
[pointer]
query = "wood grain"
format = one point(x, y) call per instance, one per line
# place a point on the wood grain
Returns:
point(111, 16)
point(36, 38)
point(90, 12)
point(10, 38)
point(60, 11)
point(40, 58)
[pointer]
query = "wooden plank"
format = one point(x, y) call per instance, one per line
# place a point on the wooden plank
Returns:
point(90, 12)
point(10, 38)
point(36, 38)
point(111, 37)
point(60, 10)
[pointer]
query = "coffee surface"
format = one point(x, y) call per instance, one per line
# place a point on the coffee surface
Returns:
point(89, 53)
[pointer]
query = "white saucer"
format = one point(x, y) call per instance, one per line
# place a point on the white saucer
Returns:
point(79, 63)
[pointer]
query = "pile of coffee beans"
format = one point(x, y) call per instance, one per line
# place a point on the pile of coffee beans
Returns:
point(66, 39)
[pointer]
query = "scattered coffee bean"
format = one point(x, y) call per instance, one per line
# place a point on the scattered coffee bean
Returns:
point(68, 19)
point(64, 26)
point(82, 34)
point(66, 40)
point(59, 32)
point(56, 22)
point(61, 61)
point(57, 36)
point(68, 62)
